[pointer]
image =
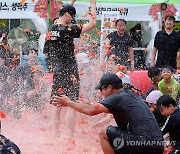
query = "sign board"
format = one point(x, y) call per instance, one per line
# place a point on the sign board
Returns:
point(11, 9)
point(107, 26)
point(129, 12)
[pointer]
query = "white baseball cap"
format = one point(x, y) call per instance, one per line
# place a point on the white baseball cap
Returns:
point(153, 96)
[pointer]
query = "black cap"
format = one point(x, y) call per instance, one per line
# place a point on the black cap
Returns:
point(109, 79)
point(68, 8)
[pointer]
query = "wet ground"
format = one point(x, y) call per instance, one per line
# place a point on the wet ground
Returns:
point(34, 134)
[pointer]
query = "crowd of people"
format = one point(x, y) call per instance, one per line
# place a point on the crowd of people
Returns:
point(142, 119)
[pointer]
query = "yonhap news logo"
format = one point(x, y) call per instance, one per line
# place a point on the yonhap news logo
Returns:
point(118, 143)
point(149, 143)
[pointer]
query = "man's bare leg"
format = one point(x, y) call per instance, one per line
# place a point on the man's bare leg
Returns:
point(70, 120)
point(56, 120)
point(106, 147)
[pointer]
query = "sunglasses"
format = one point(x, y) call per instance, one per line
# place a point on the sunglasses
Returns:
point(103, 87)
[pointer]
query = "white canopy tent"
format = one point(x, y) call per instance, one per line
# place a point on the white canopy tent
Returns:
point(131, 12)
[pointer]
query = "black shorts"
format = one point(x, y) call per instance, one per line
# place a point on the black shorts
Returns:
point(63, 78)
point(126, 143)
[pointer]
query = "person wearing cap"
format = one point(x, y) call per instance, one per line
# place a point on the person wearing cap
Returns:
point(65, 72)
point(62, 36)
point(135, 122)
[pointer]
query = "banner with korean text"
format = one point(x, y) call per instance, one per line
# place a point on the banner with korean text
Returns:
point(13, 9)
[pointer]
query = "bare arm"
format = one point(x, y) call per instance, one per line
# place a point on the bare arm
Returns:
point(153, 56)
point(131, 56)
point(106, 48)
point(79, 106)
point(178, 54)
point(104, 121)
point(92, 21)
point(72, 2)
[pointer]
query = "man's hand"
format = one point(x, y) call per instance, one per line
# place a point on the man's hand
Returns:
point(132, 67)
point(153, 63)
point(82, 100)
point(60, 101)
point(3, 35)
point(92, 1)
point(72, 2)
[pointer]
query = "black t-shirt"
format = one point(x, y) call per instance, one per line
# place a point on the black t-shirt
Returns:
point(120, 45)
point(161, 119)
point(61, 42)
point(167, 46)
point(172, 126)
point(132, 114)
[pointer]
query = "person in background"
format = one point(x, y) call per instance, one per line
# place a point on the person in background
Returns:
point(4, 70)
point(154, 75)
point(24, 71)
point(15, 95)
point(110, 63)
point(87, 76)
point(168, 85)
point(168, 107)
point(139, 56)
point(151, 99)
point(135, 122)
point(3, 92)
point(120, 44)
point(38, 96)
point(166, 45)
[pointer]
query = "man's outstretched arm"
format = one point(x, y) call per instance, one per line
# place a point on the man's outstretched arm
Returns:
point(80, 105)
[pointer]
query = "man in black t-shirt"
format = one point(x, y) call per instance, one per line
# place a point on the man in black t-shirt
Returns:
point(167, 43)
point(61, 43)
point(169, 108)
point(65, 72)
point(120, 44)
point(137, 131)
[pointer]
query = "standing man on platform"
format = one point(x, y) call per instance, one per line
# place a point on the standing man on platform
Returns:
point(65, 73)
point(167, 43)
point(120, 44)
